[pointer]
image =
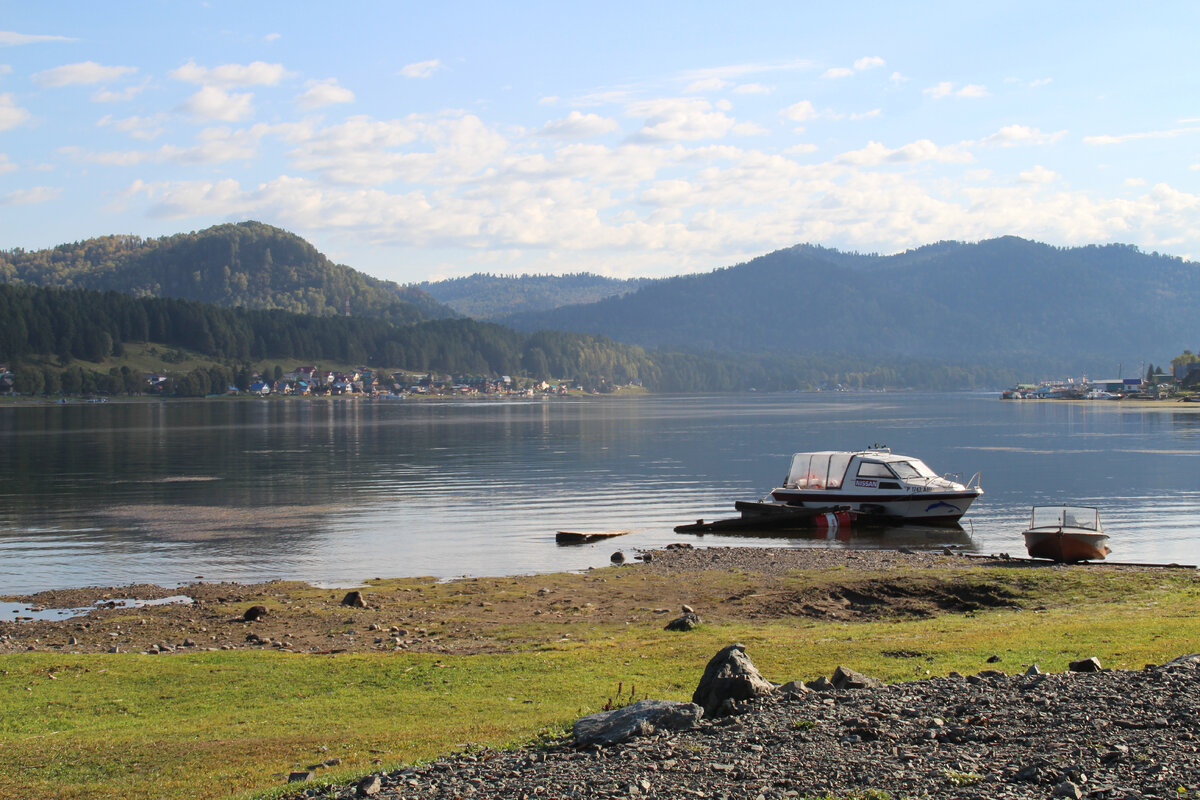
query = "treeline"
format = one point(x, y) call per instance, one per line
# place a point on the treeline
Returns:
point(93, 326)
point(248, 264)
point(37, 324)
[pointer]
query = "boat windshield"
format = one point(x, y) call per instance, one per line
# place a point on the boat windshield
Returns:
point(912, 469)
point(1065, 516)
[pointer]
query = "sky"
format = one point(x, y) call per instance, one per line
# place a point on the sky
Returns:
point(419, 141)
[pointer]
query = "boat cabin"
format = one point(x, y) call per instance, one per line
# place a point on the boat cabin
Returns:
point(864, 469)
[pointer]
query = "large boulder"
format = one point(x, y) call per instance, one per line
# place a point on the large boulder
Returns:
point(642, 718)
point(729, 676)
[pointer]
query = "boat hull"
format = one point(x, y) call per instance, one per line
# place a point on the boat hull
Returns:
point(1065, 545)
point(926, 508)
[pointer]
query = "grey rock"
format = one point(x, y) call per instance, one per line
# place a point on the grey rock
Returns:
point(729, 675)
point(642, 718)
point(301, 776)
point(1034, 669)
point(368, 786)
point(354, 599)
point(685, 623)
point(993, 659)
point(1068, 789)
point(617, 557)
point(845, 678)
point(794, 687)
point(1086, 665)
point(254, 612)
point(821, 684)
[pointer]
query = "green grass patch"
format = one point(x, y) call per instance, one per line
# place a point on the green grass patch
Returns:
point(236, 722)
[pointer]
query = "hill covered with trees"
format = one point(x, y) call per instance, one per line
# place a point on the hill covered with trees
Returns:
point(248, 264)
point(1003, 302)
point(42, 331)
point(490, 296)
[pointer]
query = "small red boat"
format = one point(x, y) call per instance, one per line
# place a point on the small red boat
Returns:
point(1066, 534)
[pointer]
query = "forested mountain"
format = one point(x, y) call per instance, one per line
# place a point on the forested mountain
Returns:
point(37, 324)
point(1005, 301)
point(490, 296)
point(41, 330)
point(248, 264)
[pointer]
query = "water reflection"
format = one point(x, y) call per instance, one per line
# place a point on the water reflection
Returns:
point(336, 491)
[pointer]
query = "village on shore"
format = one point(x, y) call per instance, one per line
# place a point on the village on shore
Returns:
point(1182, 384)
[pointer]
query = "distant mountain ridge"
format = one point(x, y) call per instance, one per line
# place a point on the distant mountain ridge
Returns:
point(247, 264)
point(1002, 300)
point(489, 296)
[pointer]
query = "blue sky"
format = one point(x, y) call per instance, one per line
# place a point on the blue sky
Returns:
point(416, 141)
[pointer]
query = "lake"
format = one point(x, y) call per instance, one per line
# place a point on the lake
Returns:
point(336, 491)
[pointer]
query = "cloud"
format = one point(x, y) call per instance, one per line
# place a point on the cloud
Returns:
point(799, 112)
point(421, 69)
point(1038, 175)
point(228, 76)
point(1135, 182)
point(577, 125)
point(214, 146)
point(119, 95)
point(1131, 137)
point(874, 112)
point(868, 62)
point(1013, 135)
point(81, 74)
point(876, 154)
point(751, 88)
point(896, 77)
point(706, 85)
point(734, 72)
point(30, 197)
point(837, 72)
point(9, 38)
point(318, 94)
point(145, 128)
point(217, 104)
point(801, 149)
point(272, 37)
point(6, 165)
point(11, 115)
point(946, 89)
point(680, 119)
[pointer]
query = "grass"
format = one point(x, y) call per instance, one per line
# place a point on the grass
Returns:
point(234, 723)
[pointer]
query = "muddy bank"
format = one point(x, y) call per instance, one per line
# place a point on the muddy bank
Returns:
point(476, 615)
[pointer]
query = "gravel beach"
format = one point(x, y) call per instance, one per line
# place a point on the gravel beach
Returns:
point(1108, 734)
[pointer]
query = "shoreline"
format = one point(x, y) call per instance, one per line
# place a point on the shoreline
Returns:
point(426, 614)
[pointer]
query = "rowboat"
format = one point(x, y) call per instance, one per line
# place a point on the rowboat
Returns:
point(1066, 534)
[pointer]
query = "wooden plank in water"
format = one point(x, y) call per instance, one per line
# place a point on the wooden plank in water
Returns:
point(571, 537)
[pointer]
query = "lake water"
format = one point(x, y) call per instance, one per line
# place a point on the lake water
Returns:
point(336, 491)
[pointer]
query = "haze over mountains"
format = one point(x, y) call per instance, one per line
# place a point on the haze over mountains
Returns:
point(1004, 301)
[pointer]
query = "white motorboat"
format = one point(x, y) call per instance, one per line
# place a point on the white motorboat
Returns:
point(1066, 533)
point(879, 482)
